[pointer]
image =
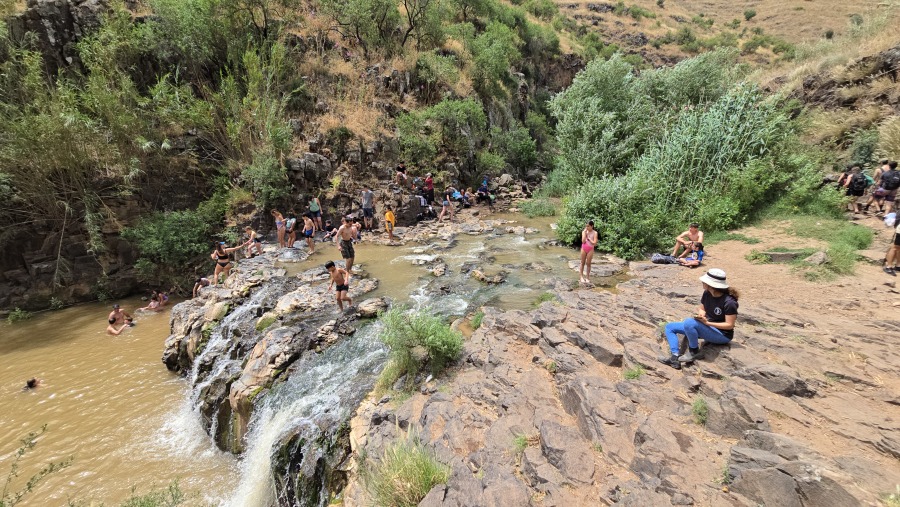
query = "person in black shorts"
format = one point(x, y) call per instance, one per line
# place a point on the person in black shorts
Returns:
point(447, 203)
point(893, 253)
point(346, 235)
point(856, 186)
point(342, 278)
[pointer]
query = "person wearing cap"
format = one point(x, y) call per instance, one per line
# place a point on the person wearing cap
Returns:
point(714, 322)
point(118, 314)
point(693, 234)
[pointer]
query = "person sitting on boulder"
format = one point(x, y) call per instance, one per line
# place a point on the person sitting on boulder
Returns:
point(330, 231)
point(694, 257)
point(687, 237)
point(714, 322)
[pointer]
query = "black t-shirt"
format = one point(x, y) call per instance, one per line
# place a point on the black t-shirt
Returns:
point(401, 169)
point(718, 307)
point(329, 228)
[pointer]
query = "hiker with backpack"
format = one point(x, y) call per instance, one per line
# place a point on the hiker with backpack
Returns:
point(856, 186)
point(890, 183)
point(877, 196)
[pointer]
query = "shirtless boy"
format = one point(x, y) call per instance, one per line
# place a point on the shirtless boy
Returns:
point(118, 314)
point(345, 235)
point(692, 235)
point(342, 279)
point(111, 328)
point(309, 230)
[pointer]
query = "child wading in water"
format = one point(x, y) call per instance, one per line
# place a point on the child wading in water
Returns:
point(309, 229)
point(342, 278)
point(588, 242)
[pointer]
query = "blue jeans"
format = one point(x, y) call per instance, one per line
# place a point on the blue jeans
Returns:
point(693, 330)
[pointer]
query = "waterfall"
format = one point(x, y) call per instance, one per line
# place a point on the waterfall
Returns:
point(323, 391)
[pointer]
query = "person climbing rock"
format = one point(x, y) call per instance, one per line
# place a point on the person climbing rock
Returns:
point(199, 284)
point(223, 260)
point(252, 242)
point(401, 173)
point(714, 322)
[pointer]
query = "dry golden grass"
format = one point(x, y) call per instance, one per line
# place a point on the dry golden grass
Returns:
point(828, 126)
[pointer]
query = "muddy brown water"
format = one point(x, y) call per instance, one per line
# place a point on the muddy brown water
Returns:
point(109, 402)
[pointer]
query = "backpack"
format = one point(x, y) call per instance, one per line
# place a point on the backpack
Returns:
point(857, 183)
point(842, 180)
point(890, 180)
point(659, 258)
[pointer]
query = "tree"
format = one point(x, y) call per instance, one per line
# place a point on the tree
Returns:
point(749, 14)
point(368, 21)
point(492, 54)
point(424, 19)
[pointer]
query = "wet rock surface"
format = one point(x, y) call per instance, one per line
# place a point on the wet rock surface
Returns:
point(788, 420)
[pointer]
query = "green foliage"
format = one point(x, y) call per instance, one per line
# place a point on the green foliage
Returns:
point(700, 410)
point(450, 126)
point(862, 148)
point(551, 366)
point(634, 373)
point(735, 24)
point(661, 3)
point(476, 321)
point(724, 477)
point(56, 304)
point(493, 52)
point(757, 257)
point(639, 13)
point(9, 497)
point(749, 14)
point(370, 21)
point(520, 443)
point(266, 178)
point(544, 297)
point(891, 499)
point(710, 163)
point(18, 315)
point(856, 19)
point(173, 239)
point(829, 34)
point(537, 208)
point(403, 474)
point(171, 496)
point(702, 22)
point(435, 71)
point(417, 336)
point(515, 146)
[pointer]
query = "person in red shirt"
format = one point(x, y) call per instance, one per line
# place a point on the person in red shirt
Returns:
point(429, 188)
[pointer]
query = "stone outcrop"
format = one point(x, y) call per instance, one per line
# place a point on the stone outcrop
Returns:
point(605, 424)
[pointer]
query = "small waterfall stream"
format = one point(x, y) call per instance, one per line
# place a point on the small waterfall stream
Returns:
point(314, 400)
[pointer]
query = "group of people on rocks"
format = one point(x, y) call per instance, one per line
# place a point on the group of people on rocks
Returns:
point(883, 186)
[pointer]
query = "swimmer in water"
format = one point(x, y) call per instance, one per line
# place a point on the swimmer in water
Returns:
point(111, 328)
point(33, 383)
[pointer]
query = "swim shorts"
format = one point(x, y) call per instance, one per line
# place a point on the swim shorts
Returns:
point(308, 233)
point(369, 212)
point(389, 226)
point(347, 251)
point(342, 288)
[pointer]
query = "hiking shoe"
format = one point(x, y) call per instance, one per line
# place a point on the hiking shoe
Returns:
point(889, 270)
point(670, 361)
point(688, 356)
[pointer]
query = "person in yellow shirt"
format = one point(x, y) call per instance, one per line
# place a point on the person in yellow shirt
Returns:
point(389, 222)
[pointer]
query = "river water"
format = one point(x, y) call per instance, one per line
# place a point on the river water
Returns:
point(110, 402)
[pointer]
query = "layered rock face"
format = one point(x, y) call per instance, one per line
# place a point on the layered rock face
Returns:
point(789, 419)
point(239, 342)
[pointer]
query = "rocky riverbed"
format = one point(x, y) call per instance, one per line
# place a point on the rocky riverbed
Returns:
point(793, 418)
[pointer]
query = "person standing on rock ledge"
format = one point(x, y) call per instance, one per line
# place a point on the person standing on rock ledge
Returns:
point(714, 322)
point(588, 242)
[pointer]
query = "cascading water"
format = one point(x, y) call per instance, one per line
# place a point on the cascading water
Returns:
point(308, 413)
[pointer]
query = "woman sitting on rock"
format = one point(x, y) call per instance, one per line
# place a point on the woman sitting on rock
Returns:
point(714, 322)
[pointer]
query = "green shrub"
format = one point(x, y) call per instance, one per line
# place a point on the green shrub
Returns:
point(493, 52)
point(705, 23)
point(18, 315)
point(735, 24)
point(862, 148)
point(173, 239)
point(266, 178)
point(537, 208)
point(639, 13)
point(403, 474)
point(749, 14)
point(56, 304)
point(171, 496)
point(700, 410)
point(435, 71)
point(661, 3)
point(476, 321)
point(415, 336)
point(10, 497)
point(829, 34)
point(445, 127)
point(634, 373)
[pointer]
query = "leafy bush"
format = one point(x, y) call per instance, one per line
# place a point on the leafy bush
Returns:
point(634, 373)
point(749, 14)
point(266, 178)
point(415, 336)
point(713, 165)
point(404, 473)
point(515, 145)
point(702, 22)
point(537, 208)
point(18, 315)
point(639, 13)
point(829, 34)
point(862, 148)
point(56, 304)
point(172, 239)
point(493, 52)
point(436, 71)
point(10, 497)
point(735, 24)
point(450, 127)
point(476, 321)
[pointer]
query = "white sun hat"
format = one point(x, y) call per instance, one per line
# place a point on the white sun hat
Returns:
point(715, 278)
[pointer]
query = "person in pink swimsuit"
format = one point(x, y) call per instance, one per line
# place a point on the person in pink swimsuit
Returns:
point(588, 242)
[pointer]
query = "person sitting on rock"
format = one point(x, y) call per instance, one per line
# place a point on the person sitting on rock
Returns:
point(693, 257)
point(714, 322)
point(687, 237)
point(330, 231)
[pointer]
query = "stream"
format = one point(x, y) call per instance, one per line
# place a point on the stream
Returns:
point(111, 403)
